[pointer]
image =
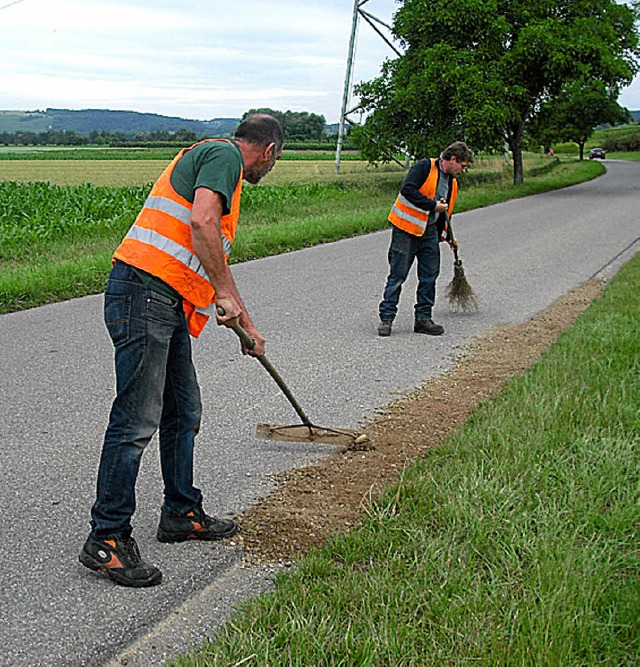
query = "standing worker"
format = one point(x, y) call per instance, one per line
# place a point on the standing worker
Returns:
point(419, 217)
point(168, 274)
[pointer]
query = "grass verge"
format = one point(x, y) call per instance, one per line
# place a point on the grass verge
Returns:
point(56, 241)
point(514, 543)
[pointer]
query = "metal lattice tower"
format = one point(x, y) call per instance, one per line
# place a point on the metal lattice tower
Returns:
point(345, 112)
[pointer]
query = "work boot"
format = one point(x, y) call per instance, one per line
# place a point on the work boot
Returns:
point(194, 525)
point(427, 327)
point(119, 558)
point(384, 328)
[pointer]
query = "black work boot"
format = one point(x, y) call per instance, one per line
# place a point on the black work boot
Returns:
point(384, 328)
point(194, 525)
point(119, 558)
point(428, 327)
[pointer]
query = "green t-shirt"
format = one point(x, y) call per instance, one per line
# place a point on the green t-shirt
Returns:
point(215, 165)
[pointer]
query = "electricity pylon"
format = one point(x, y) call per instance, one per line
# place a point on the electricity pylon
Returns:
point(344, 114)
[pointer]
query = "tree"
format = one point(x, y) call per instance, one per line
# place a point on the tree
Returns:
point(579, 108)
point(185, 136)
point(296, 125)
point(482, 70)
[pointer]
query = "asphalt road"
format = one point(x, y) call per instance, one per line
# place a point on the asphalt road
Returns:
point(318, 310)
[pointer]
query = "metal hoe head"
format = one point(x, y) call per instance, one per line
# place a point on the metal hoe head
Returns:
point(310, 433)
point(306, 431)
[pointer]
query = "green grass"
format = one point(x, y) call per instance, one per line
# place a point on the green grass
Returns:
point(623, 156)
point(157, 153)
point(514, 543)
point(84, 153)
point(56, 241)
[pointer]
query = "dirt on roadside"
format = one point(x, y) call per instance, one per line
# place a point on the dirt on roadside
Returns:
point(311, 503)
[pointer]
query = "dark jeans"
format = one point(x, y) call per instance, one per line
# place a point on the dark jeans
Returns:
point(404, 249)
point(156, 387)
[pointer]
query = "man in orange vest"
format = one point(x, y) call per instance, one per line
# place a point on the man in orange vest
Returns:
point(168, 275)
point(419, 222)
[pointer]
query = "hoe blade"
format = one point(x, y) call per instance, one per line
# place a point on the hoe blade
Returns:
point(302, 433)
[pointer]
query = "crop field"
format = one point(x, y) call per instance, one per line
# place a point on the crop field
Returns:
point(120, 167)
point(116, 173)
point(62, 219)
point(124, 172)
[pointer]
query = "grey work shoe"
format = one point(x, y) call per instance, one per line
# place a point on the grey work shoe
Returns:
point(384, 328)
point(428, 327)
point(194, 525)
point(119, 558)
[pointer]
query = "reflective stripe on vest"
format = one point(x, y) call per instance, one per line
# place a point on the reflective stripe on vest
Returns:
point(182, 213)
point(414, 220)
point(160, 242)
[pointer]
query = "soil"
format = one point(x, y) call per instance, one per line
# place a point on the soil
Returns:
point(310, 504)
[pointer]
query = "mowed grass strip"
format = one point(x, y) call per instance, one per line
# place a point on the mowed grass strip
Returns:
point(56, 239)
point(514, 543)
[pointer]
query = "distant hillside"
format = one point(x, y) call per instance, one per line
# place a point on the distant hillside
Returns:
point(85, 121)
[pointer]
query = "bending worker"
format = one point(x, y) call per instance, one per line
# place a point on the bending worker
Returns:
point(169, 273)
point(419, 222)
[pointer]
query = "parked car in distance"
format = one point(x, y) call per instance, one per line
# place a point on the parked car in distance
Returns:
point(597, 153)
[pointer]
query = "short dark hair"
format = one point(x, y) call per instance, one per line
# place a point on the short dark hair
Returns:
point(261, 129)
point(459, 150)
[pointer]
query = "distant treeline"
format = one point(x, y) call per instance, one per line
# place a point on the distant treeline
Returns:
point(115, 139)
point(161, 139)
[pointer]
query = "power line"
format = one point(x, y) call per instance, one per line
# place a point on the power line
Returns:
point(344, 115)
point(15, 2)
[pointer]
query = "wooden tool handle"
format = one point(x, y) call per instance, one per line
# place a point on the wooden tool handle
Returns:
point(249, 343)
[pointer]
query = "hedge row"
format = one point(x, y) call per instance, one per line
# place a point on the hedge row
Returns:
point(622, 144)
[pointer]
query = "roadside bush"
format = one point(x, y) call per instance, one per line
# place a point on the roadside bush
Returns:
point(626, 144)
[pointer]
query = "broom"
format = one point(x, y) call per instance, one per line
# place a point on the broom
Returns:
point(460, 294)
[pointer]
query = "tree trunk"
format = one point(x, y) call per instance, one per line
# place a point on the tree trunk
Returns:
point(518, 169)
point(514, 139)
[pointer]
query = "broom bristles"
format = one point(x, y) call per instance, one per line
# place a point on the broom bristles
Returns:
point(460, 294)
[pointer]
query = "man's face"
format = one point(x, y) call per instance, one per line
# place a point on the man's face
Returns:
point(456, 168)
point(262, 166)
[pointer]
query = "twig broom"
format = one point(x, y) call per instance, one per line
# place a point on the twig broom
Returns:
point(460, 294)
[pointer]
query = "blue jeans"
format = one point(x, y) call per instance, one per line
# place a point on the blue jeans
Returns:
point(156, 387)
point(404, 249)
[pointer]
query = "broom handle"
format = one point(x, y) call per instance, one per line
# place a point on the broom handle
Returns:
point(453, 238)
point(250, 344)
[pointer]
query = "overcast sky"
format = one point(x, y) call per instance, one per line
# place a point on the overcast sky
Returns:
point(201, 59)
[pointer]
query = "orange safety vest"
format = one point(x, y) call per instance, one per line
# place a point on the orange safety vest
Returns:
point(159, 242)
point(412, 219)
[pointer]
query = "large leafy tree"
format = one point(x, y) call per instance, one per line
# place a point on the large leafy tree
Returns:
point(481, 70)
point(573, 115)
